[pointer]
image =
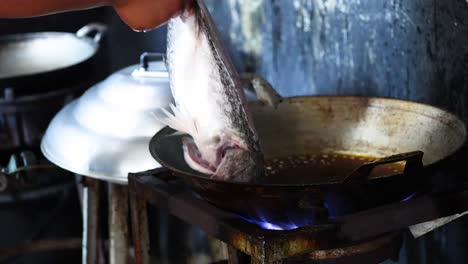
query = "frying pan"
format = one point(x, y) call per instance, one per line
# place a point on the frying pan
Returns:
point(390, 129)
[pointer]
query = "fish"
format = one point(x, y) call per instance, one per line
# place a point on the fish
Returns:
point(209, 103)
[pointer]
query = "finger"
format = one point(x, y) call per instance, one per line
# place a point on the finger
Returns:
point(142, 15)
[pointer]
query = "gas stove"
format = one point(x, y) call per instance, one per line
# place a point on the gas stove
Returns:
point(28, 176)
point(369, 236)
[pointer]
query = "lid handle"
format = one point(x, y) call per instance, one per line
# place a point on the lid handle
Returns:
point(97, 28)
point(145, 59)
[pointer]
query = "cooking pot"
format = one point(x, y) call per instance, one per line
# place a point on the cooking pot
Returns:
point(39, 73)
point(42, 61)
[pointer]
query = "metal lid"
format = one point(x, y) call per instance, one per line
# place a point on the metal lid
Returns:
point(105, 133)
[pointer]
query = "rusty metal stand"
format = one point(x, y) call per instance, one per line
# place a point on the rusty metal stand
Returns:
point(93, 246)
point(91, 253)
point(139, 218)
point(262, 245)
point(118, 226)
point(41, 245)
point(373, 234)
point(219, 249)
point(236, 257)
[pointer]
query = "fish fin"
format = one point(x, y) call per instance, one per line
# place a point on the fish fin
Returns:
point(179, 120)
point(263, 89)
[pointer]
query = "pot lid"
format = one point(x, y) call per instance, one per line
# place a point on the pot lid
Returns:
point(106, 132)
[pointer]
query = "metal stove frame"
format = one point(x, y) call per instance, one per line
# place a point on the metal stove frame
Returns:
point(350, 233)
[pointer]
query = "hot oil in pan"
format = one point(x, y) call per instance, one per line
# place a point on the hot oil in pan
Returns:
point(331, 167)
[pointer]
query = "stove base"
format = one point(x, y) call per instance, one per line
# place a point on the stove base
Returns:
point(247, 242)
point(368, 252)
point(372, 251)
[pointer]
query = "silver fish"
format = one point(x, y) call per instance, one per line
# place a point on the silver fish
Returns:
point(210, 104)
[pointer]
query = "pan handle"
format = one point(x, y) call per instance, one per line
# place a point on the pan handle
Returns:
point(413, 164)
point(96, 28)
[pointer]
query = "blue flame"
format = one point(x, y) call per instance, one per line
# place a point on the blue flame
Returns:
point(331, 213)
point(268, 224)
point(333, 206)
point(409, 197)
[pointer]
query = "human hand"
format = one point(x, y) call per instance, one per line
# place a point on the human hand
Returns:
point(140, 15)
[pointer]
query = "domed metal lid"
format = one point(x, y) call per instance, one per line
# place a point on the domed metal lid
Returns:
point(106, 132)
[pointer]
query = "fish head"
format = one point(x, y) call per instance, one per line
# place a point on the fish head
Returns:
point(240, 165)
point(224, 159)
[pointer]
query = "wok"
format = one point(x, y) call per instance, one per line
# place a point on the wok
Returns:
point(396, 130)
point(47, 60)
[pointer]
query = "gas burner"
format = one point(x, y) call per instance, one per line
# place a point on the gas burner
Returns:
point(28, 176)
point(368, 236)
point(293, 224)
